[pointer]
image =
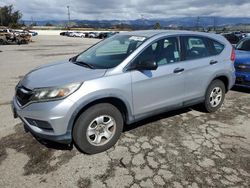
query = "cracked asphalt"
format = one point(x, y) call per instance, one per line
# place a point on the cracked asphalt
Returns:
point(183, 148)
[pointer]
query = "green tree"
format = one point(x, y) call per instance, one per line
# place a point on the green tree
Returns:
point(48, 24)
point(9, 17)
point(157, 26)
point(33, 24)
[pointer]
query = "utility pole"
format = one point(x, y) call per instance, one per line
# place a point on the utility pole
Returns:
point(215, 24)
point(1, 14)
point(143, 20)
point(198, 23)
point(68, 17)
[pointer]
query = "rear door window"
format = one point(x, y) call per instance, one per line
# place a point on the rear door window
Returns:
point(195, 47)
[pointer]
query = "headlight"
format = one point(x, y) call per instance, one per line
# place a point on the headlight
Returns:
point(54, 93)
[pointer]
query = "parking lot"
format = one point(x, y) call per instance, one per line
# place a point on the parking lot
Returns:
point(184, 148)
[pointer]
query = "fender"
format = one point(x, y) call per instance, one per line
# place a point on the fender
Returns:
point(224, 74)
point(129, 119)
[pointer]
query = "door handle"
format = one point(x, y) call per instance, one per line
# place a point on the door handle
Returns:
point(178, 70)
point(212, 62)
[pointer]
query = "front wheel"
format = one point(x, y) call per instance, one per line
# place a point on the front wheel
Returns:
point(98, 128)
point(2, 42)
point(215, 95)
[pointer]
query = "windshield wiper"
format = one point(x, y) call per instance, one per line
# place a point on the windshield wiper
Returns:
point(84, 64)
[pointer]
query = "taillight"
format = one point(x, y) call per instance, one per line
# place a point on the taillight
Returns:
point(233, 55)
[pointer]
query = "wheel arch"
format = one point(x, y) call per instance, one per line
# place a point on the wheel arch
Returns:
point(120, 104)
point(224, 79)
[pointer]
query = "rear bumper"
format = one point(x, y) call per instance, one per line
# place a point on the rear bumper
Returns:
point(232, 81)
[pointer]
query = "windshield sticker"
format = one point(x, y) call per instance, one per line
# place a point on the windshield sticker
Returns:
point(136, 38)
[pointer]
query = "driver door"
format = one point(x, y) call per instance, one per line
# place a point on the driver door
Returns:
point(163, 88)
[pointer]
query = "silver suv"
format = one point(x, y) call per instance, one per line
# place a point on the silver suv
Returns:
point(87, 99)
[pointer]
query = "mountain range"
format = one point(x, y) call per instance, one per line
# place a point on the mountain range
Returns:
point(164, 22)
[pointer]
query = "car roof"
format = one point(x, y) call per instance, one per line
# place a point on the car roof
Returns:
point(151, 33)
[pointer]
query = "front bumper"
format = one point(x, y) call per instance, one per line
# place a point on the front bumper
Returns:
point(63, 139)
point(46, 120)
point(242, 79)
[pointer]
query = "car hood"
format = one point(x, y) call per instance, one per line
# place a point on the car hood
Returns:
point(242, 57)
point(59, 74)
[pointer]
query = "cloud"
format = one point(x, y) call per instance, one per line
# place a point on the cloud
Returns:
point(129, 9)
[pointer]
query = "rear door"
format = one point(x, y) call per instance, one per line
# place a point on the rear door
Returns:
point(157, 89)
point(200, 63)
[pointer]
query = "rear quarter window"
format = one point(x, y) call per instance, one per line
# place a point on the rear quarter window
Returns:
point(215, 47)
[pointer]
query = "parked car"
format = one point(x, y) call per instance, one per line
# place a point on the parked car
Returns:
point(3, 39)
point(64, 33)
point(10, 34)
point(93, 35)
point(6, 30)
point(32, 33)
point(131, 76)
point(238, 34)
point(232, 38)
point(244, 35)
point(70, 34)
point(242, 63)
point(14, 37)
point(76, 34)
point(104, 35)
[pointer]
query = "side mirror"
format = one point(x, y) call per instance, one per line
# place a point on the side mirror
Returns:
point(147, 65)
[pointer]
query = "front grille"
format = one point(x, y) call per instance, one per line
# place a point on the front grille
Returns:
point(242, 68)
point(23, 95)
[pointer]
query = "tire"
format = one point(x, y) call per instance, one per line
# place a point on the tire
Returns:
point(24, 42)
point(87, 123)
point(215, 96)
point(2, 42)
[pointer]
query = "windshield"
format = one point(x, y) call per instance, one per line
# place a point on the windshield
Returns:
point(244, 45)
point(110, 52)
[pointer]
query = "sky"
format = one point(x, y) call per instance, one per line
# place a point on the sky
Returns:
point(127, 9)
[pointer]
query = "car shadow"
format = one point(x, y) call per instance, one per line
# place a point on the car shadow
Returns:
point(54, 145)
point(241, 89)
point(57, 146)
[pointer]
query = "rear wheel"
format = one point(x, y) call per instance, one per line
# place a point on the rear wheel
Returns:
point(214, 96)
point(98, 128)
